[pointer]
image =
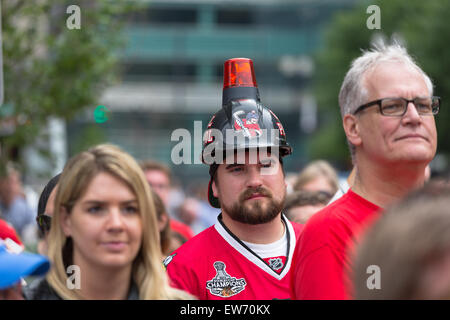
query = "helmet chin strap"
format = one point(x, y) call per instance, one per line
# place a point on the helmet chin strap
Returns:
point(213, 169)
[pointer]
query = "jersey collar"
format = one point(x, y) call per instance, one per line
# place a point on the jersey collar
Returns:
point(250, 255)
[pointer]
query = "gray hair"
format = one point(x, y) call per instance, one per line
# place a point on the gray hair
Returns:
point(353, 92)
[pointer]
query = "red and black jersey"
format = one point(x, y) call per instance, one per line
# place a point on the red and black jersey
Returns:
point(216, 265)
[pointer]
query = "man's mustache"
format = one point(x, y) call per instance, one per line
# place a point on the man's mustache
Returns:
point(252, 191)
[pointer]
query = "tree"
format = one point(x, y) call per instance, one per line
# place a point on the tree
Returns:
point(51, 69)
point(422, 24)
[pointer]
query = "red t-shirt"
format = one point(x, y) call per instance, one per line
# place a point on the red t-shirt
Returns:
point(7, 231)
point(321, 259)
point(216, 265)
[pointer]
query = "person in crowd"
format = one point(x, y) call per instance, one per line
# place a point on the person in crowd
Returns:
point(387, 106)
point(176, 241)
point(291, 179)
point(247, 254)
point(16, 265)
point(165, 234)
point(319, 175)
point(189, 212)
point(159, 176)
point(406, 253)
point(104, 239)
point(46, 207)
point(197, 214)
point(302, 205)
point(344, 186)
point(13, 205)
point(7, 231)
point(195, 210)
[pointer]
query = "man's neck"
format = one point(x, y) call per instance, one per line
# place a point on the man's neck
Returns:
point(387, 184)
point(259, 234)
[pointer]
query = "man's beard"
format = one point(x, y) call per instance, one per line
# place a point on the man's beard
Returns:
point(255, 211)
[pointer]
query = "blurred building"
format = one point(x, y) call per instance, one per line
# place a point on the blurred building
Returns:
point(173, 64)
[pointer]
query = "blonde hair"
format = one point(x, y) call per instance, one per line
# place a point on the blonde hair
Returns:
point(318, 168)
point(147, 272)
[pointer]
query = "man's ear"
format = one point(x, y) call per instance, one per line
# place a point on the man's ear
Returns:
point(214, 188)
point(351, 128)
point(65, 221)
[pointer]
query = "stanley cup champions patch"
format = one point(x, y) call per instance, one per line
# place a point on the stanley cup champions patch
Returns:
point(223, 285)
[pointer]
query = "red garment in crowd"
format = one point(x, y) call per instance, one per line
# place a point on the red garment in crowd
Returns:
point(216, 265)
point(7, 231)
point(322, 259)
point(181, 228)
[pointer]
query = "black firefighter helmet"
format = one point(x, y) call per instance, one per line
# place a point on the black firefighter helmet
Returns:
point(243, 123)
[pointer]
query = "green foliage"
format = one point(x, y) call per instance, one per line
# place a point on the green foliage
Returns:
point(50, 70)
point(89, 136)
point(422, 24)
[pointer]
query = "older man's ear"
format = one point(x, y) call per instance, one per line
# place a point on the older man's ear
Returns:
point(351, 128)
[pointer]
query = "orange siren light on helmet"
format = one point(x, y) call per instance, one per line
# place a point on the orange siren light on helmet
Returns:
point(239, 81)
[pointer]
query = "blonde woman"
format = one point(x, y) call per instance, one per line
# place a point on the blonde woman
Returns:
point(318, 175)
point(105, 225)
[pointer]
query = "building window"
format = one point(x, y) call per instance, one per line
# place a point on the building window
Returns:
point(234, 17)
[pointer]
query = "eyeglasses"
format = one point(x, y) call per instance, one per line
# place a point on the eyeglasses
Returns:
point(397, 107)
point(44, 222)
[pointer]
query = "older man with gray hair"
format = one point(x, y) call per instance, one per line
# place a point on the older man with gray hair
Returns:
point(387, 107)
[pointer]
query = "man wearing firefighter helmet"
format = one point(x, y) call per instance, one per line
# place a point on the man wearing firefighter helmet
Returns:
point(247, 254)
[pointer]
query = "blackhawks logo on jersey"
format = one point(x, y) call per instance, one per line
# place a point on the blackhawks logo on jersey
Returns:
point(223, 285)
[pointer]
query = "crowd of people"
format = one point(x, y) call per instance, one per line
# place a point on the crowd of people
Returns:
point(110, 227)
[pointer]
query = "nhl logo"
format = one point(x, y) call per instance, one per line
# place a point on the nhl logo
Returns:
point(223, 285)
point(276, 264)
